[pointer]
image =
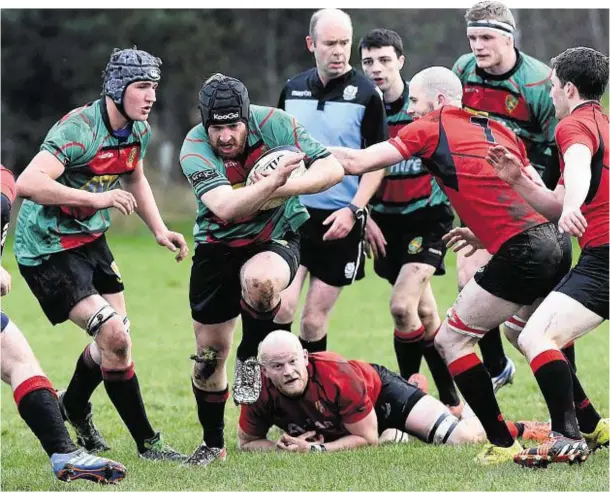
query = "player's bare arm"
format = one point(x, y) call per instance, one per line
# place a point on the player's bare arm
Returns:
point(577, 180)
point(510, 169)
point(137, 184)
point(38, 183)
point(246, 442)
point(321, 175)
point(362, 433)
point(360, 161)
point(229, 204)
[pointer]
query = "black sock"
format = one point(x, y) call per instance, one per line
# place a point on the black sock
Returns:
point(124, 391)
point(570, 354)
point(475, 385)
point(255, 326)
point(447, 392)
point(492, 351)
point(211, 412)
point(587, 416)
point(554, 377)
point(282, 326)
point(314, 345)
point(37, 404)
point(409, 350)
point(87, 376)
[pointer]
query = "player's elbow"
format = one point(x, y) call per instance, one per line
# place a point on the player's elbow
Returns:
point(335, 172)
point(24, 186)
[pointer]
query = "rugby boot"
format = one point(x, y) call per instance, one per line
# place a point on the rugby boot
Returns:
point(600, 435)
point(555, 449)
point(493, 455)
point(204, 455)
point(80, 465)
point(247, 382)
point(157, 450)
point(87, 435)
point(505, 377)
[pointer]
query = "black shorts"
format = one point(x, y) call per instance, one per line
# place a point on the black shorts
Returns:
point(67, 277)
point(587, 282)
point(414, 238)
point(396, 399)
point(215, 285)
point(338, 262)
point(528, 265)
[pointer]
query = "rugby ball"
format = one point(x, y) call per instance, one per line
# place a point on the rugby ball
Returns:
point(268, 162)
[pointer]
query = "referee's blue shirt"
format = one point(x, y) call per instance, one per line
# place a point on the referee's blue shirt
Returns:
point(347, 112)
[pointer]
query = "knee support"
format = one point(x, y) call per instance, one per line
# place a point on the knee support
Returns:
point(458, 326)
point(98, 319)
point(206, 362)
point(442, 429)
point(515, 323)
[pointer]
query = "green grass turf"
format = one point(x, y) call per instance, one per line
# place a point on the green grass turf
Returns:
point(361, 327)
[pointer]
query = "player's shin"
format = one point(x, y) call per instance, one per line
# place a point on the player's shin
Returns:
point(447, 391)
point(37, 404)
point(86, 378)
point(408, 348)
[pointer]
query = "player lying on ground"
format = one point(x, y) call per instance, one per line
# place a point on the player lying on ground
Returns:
point(323, 402)
point(34, 394)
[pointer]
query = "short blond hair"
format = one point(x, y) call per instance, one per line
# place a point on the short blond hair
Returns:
point(490, 10)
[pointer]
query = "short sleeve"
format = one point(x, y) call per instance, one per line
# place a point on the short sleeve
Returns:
point(254, 419)
point(68, 141)
point(201, 166)
point(418, 139)
point(353, 400)
point(571, 131)
point(286, 130)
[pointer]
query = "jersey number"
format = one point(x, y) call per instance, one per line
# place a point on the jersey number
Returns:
point(483, 123)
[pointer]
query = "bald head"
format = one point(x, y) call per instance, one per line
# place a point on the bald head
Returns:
point(335, 17)
point(436, 81)
point(279, 343)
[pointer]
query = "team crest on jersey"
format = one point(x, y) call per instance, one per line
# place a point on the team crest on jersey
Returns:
point(319, 407)
point(415, 246)
point(115, 269)
point(349, 93)
point(511, 103)
point(349, 270)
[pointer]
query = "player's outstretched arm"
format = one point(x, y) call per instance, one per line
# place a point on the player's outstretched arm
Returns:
point(229, 204)
point(137, 184)
point(360, 161)
point(321, 175)
point(510, 169)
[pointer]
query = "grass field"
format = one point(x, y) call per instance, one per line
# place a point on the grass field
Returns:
point(361, 327)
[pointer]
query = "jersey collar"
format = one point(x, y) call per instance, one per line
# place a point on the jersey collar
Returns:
point(337, 81)
point(397, 106)
point(503, 76)
point(585, 104)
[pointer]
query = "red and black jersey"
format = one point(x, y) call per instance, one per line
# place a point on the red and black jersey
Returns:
point(588, 125)
point(338, 392)
point(453, 144)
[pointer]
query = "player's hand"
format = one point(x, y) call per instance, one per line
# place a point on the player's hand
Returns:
point(300, 444)
point(284, 169)
point(461, 237)
point(174, 241)
point(5, 281)
point(507, 166)
point(122, 200)
point(342, 221)
point(375, 240)
point(572, 222)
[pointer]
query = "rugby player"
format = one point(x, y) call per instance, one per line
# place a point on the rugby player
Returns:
point(579, 303)
point(90, 161)
point(337, 106)
point(410, 214)
point(530, 254)
point(505, 84)
point(245, 257)
point(33, 392)
point(323, 402)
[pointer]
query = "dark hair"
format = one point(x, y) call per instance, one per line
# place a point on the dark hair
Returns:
point(378, 38)
point(586, 68)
